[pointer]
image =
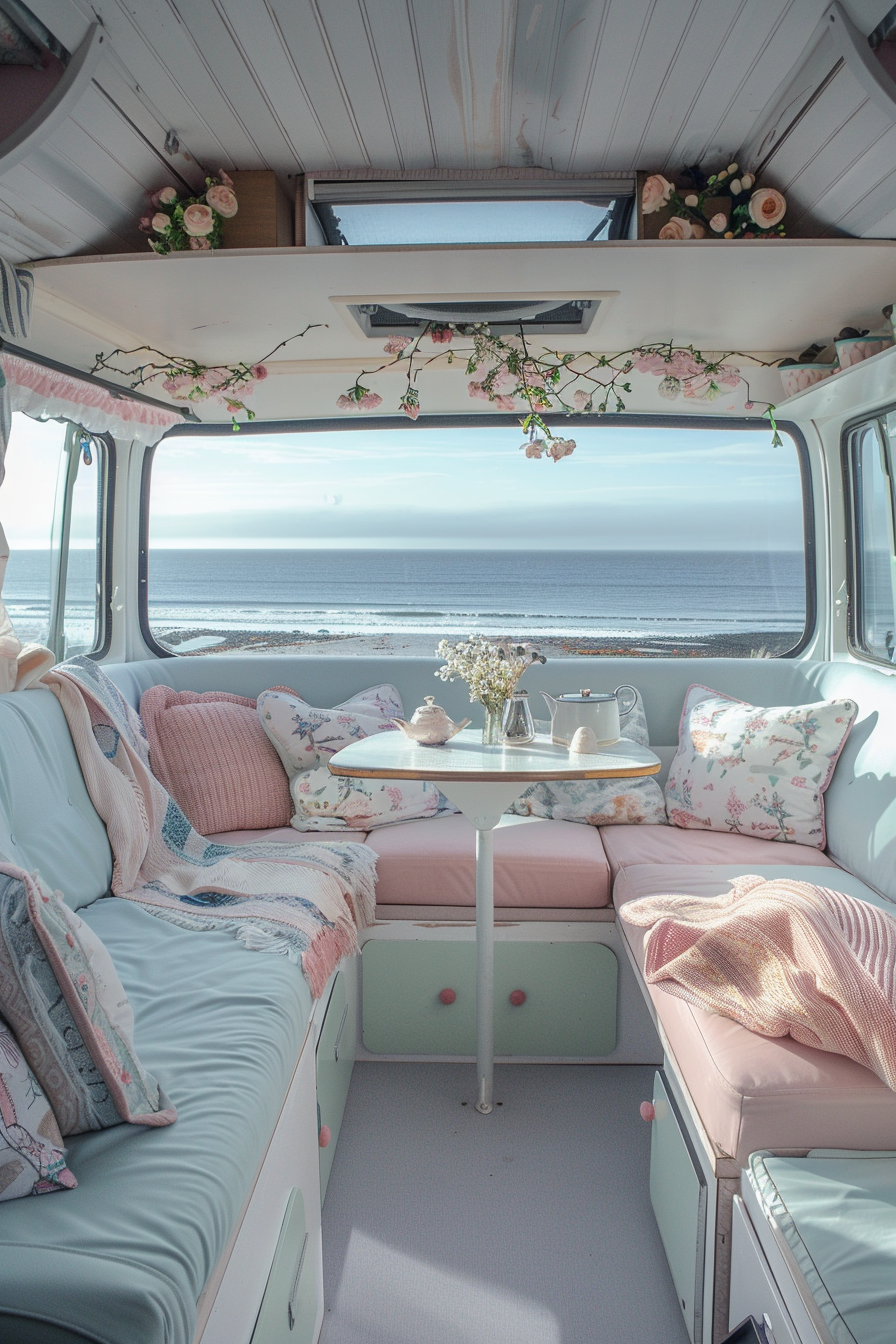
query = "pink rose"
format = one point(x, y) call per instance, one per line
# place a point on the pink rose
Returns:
point(167, 196)
point(223, 200)
point(259, 372)
point(198, 220)
point(441, 335)
point(561, 448)
point(145, 225)
point(160, 222)
point(767, 207)
point(676, 228)
point(698, 231)
point(396, 344)
point(200, 245)
point(655, 194)
point(718, 223)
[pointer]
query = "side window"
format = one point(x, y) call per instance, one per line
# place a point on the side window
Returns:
point(52, 507)
point(873, 624)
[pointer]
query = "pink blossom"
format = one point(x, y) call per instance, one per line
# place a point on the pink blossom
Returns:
point(561, 448)
point(145, 225)
point(441, 335)
point(669, 388)
point(222, 199)
point(370, 401)
point(160, 222)
point(198, 220)
point(477, 390)
point(259, 372)
point(167, 196)
point(346, 403)
point(532, 376)
point(504, 403)
point(649, 362)
point(728, 376)
point(411, 409)
point(396, 344)
point(581, 399)
point(798, 782)
point(200, 245)
point(228, 181)
point(534, 447)
point(718, 223)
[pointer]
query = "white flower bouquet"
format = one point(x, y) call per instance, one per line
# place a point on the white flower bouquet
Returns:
point(491, 671)
point(194, 223)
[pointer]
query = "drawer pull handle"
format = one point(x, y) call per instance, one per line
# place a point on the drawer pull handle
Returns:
point(340, 1031)
point(518, 998)
point(647, 1110)
point(447, 997)
point(290, 1306)
point(324, 1136)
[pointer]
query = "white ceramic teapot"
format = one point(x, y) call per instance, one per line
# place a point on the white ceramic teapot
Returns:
point(589, 709)
point(430, 725)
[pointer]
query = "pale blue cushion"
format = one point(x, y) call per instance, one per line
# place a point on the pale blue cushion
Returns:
point(126, 1255)
point(836, 1213)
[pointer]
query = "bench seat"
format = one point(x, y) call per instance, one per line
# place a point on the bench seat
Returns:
point(754, 1092)
point(127, 1254)
point(638, 845)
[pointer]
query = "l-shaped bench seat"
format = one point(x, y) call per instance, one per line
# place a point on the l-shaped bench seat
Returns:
point(129, 1252)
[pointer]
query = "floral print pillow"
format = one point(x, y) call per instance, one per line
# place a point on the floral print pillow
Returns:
point(756, 771)
point(32, 1158)
point(326, 802)
point(305, 737)
point(601, 802)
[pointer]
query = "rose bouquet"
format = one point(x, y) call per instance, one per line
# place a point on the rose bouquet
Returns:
point(726, 204)
point(191, 224)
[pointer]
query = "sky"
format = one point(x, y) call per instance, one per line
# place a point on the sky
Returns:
point(623, 488)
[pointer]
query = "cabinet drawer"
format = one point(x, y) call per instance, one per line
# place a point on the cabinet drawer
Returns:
point(678, 1196)
point(335, 1061)
point(753, 1289)
point(568, 1007)
point(289, 1306)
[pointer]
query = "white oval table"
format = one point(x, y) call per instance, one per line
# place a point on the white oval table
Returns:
point(482, 782)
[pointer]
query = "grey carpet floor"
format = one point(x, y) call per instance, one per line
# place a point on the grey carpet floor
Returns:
point(529, 1226)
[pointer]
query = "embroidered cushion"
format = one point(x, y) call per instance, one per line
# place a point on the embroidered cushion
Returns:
point(601, 802)
point(756, 771)
point(32, 1158)
point(212, 755)
point(305, 739)
point(69, 1012)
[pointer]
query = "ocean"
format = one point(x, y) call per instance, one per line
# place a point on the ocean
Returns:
point(525, 593)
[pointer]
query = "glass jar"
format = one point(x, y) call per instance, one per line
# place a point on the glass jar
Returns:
point(517, 726)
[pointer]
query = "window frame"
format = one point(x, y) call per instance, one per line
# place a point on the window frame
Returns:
point(854, 582)
point(401, 424)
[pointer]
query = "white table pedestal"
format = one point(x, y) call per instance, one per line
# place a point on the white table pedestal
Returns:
point(484, 804)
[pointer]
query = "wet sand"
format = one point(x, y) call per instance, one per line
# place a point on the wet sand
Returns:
point(202, 642)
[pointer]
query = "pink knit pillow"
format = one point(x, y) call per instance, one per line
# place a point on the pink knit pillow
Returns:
point(214, 758)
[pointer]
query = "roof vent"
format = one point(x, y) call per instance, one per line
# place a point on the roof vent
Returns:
point(538, 316)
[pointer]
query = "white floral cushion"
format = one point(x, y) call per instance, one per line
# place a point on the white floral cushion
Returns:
point(601, 802)
point(305, 739)
point(32, 1156)
point(756, 771)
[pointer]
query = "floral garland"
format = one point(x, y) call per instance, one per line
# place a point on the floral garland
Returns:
point(187, 380)
point(514, 378)
point(194, 223)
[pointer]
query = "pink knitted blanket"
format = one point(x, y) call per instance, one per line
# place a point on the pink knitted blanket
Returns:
point(304, 901)
point(782, 958)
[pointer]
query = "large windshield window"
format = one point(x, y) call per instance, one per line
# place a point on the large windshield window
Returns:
point(648, 540)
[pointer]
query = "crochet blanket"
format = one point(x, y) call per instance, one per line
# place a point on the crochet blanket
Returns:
point(782, 958)
point(304, 901)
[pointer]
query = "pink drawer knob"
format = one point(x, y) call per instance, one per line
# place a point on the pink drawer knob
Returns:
point(324, 1136)
point(647, 1110)
point(518, 998)
point(447, 997)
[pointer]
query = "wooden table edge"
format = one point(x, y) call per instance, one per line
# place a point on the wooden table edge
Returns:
point(480, 777)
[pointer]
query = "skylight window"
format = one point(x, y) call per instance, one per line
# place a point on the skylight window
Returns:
point(391, 223)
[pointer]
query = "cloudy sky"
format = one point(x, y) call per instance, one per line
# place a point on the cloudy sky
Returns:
point(435, 488)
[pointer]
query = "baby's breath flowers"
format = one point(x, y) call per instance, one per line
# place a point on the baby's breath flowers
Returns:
point(490, 670)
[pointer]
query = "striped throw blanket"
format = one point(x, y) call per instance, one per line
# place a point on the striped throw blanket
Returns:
point(305, 901)
point(782, 958)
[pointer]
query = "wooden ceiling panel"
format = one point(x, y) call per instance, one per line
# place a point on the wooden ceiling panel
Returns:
point(395, 54)
point(555, 54)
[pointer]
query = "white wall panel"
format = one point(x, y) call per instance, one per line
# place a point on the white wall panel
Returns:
point(609, 74)
point(393, 33)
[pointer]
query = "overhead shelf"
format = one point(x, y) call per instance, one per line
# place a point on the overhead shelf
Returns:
point(849, 391)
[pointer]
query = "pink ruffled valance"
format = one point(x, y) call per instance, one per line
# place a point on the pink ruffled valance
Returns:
point(47, 394)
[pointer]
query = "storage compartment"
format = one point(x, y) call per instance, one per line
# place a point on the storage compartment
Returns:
point(753, 1289)
point(552, 1000)
point(678, 1195)
point(289, 1307)
point(335, 1061)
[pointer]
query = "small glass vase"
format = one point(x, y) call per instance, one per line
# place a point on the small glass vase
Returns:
point(492, 732)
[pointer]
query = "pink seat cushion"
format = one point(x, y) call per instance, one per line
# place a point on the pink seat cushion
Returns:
point(538, 864)
point(754, 1092)
point(627, 845)
point(214, 758)
point(281, 835)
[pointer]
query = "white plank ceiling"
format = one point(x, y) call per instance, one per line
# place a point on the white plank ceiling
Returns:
point(573, 85)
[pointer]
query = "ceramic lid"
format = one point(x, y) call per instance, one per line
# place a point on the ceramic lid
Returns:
point(582, 697)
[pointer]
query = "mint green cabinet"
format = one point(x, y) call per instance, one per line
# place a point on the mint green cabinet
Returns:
point(565, 999)
point(678, 1195)
point(289, 1306)
point(335, 1060)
